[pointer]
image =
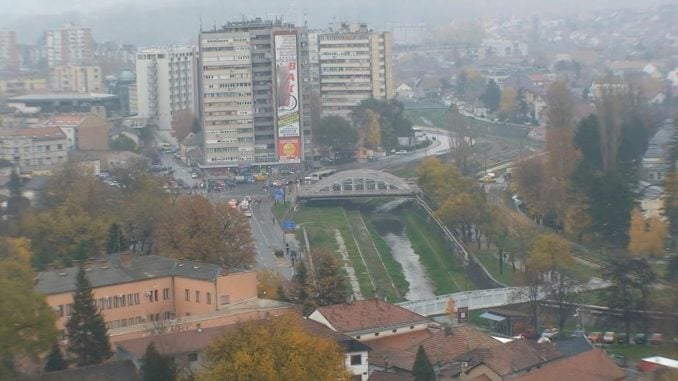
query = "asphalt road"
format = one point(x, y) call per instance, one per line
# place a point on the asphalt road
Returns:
point(267, 233)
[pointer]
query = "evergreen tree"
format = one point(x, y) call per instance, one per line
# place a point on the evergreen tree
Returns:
point(55, 361)
point(331, 288)
point(195, 126)
point(302, 290)
point(87, 333)
point(422, 369)
point(117, 241)
point(492, 96)
point(16, 202)
point(157, 367)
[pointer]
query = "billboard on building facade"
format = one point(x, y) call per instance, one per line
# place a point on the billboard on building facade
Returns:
point(287, 85)
point(289, 150)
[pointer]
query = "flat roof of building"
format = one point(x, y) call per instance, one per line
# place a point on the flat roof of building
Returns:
point(109, 271)
point(45, 97)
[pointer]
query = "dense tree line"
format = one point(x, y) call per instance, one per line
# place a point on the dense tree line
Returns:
point(373, 124)
point(80, 216)
point(586, 185)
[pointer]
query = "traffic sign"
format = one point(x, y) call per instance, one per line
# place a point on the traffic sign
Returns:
point(288, 225)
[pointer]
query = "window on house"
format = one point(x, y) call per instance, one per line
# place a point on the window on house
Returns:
point(356, 360)
point(209, 298)
point(60, 310)
point(193, 357)
point(136, 298)
point(166, 293)
point(69, 309)
point(225, 299)
point(187, 295)
point(155, 295)
point(197, 296)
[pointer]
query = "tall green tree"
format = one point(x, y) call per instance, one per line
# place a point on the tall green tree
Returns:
point(331, 288)
point(156, 366)
point(492, 96)
point(117, 241)
point(26, 321)
point(17, 203)
point(632, 280)
point(55, 360)
point(422, 368)
point(336, 133)
point(303, 291)
point(87, 332)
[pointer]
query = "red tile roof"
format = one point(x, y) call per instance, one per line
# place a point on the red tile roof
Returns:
point(512, 357)
point(66, 120)
point(34, 132)
point(593, 365)
point(445, 345)
point(442, 346)
point(369, 314)
point(378, 375)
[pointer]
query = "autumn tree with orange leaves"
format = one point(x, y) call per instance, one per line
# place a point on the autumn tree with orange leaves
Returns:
point(194, 228)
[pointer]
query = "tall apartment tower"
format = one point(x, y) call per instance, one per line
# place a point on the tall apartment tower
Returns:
point(69, 45)
point(9, 53)
point(166, 83)
point(252, 98)
point(355, 64)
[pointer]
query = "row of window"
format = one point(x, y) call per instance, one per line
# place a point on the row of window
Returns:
point(229, 85)
point(187, 296)
point(225, 58)
point(227, 94)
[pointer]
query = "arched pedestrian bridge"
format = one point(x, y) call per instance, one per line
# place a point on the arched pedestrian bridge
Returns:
point(358, 183)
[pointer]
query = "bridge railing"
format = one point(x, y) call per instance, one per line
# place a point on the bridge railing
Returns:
point(480, 299)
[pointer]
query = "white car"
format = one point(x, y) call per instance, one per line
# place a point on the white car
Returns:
point(401, 152)
point(248, 213)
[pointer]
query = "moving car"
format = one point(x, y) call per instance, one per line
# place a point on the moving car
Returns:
point(595, 337)
point(401, 152)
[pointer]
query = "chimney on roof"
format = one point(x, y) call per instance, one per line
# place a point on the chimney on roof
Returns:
point(126, 259)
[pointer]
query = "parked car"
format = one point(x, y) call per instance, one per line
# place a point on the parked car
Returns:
point(248, 213)
point(640, 338)
point(550, 333)
point(595, 337)
point(622, 338)
point(194, 175)
point(656, 338)
point(608, 337)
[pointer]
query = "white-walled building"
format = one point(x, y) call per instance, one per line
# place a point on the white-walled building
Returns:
point(355, 64)
point(69, 45)
point(9, 54)
point(166, 83)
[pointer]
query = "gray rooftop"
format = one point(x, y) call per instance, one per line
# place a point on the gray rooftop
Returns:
point(108, 271)
point(62, 97)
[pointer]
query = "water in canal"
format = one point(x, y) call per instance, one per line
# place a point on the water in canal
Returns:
point(391, 230)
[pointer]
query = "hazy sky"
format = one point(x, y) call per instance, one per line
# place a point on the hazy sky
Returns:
point(154, 21)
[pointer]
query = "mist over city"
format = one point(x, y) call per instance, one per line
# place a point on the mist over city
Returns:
point(373, 190)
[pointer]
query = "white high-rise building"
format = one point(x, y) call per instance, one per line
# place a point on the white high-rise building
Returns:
point(9, 55)
point(69, 45)
point(355, 64)
point(166, 83)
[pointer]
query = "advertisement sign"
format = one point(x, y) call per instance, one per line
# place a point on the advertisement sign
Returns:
point(287, 85)
point(289, 150)
point(462, 314)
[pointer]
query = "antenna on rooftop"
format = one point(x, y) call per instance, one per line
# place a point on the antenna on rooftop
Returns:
point(215, 24)
point(200, 23)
